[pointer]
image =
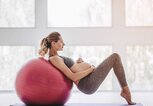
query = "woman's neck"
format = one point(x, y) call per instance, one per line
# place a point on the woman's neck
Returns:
point(53, 52)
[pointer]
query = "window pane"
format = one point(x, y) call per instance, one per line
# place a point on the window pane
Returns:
point(140, 67)
point(17, 13)
point(12, 59)
point(79, 13)
point(139, 12)
point(93, 55)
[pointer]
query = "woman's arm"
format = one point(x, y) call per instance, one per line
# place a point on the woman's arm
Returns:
point(81, 74)
point(59, 63)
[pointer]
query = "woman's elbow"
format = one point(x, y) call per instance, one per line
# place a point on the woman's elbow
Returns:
point(74, 78)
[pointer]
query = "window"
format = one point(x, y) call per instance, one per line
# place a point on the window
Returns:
point(17, 13)
point(12, 59)
point(79, 13)
point(139, 12)
point(140, 67)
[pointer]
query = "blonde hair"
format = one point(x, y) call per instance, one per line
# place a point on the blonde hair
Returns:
point(45, 44)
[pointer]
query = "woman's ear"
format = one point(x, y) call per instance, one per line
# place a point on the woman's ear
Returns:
point(52, 43)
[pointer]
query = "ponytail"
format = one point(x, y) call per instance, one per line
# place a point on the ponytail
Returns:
point(44, 46)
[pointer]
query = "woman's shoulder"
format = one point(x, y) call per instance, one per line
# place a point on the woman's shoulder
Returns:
point(54, 58)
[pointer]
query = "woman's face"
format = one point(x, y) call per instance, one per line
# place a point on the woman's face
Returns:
point(59, 44)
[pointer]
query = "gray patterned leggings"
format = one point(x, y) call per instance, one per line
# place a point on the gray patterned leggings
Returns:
point(91, 82)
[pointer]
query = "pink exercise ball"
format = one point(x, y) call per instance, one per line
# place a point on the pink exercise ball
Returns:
point(39, 83)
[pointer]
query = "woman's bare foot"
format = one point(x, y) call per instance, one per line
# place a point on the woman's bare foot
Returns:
point(125, 93)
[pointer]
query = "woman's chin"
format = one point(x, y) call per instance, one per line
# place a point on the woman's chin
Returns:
point(60, 49)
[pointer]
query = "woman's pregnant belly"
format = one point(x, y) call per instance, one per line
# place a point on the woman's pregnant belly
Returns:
point(80, 67)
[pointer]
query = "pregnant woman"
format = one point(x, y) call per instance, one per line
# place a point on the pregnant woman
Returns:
point(86, 76)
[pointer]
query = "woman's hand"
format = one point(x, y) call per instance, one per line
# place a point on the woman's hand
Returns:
point(79, 60)
point(93, 67)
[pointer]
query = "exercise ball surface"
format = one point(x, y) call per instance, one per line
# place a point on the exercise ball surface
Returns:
point(38, 82)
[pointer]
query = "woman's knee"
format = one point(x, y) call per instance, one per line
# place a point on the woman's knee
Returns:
point(116, 55)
